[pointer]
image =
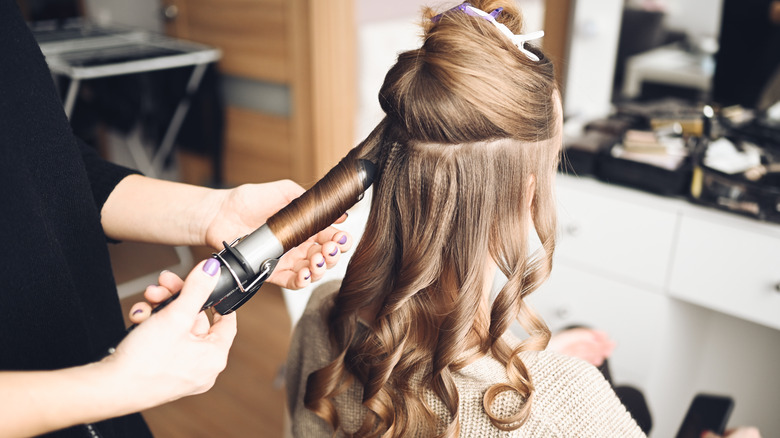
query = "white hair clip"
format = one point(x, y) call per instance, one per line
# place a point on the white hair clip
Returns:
point(519, 39)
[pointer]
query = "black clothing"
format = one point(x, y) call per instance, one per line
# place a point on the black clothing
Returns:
point(748, 53)
point(59, 302)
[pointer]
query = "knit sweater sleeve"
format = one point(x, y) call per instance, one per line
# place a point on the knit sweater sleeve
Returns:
point(578, 401)
point(309, 351)
point(103, 175)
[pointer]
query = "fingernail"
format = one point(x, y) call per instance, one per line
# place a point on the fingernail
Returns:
point(164, 271)
point(137, 311)
point(211, 267)
point(343, 240)
point(335, 251)
point(321, 264)
point(308, 276)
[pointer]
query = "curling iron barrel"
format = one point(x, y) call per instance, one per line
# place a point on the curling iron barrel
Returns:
point(248, 261)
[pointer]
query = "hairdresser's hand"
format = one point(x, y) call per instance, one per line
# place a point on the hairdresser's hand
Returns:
point(740, 432)
point(593, 346)
point(176, 352)
point(243, 209)
point(309, 261)
point(168, 284)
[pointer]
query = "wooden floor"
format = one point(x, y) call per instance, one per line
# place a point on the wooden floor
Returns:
point(247, 399)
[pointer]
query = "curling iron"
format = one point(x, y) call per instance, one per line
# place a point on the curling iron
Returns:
point(247, 262)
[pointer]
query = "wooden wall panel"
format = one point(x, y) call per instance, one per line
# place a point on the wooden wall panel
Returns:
point(557, 25)
point(324, 82)
point(307, 45)
point(252, 34)
point(257, 147)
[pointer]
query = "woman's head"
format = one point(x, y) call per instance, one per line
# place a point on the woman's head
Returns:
point(466, 153)
point(470, 83)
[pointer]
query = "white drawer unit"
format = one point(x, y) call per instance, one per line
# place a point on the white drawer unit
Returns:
point(731, 265)
point(628, 314)
point(625, 237)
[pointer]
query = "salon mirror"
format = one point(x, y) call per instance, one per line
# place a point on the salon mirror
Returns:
point(722, 51)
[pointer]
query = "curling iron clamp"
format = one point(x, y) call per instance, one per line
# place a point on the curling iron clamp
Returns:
point(247, 262)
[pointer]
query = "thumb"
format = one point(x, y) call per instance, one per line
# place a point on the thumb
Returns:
point(709, 434)
point(198, 286)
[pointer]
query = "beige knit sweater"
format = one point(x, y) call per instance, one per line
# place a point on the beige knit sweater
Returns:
point(572, 398)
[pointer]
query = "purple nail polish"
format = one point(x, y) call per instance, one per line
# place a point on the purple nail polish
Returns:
point(137, 311)
point(335, 251)
point(343, 240)
point(308, 276)
point(321, 264)
point(211, 267)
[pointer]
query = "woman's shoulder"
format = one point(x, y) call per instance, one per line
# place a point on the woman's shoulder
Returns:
point(549, 371)
point(555, 368)
point(545, 364)
point(309, 350)
point(310, 338)
point(571, 397)
point(321, 299)
point(558, 378)
point(575, 396)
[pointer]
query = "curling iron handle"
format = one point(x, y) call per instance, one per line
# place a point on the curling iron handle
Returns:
point(223, 287)
point(165, 303)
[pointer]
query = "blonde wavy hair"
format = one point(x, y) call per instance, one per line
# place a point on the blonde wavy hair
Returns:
point(466, 153)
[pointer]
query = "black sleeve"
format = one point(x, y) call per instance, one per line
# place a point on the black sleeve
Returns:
point(103, 175)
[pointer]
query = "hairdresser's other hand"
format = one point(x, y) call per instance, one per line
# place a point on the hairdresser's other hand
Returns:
point(168, 283)
point(241, 210)
point(593, 346)
point(176, 352)
point(310, 260)
point(740, 432)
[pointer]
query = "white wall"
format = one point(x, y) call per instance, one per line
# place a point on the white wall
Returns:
point(368, 11)
point(697, 17)
point(590, 64)
point(136, 13)
point(379, 44)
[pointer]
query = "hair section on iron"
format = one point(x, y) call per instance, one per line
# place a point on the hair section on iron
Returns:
point(466, 157)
